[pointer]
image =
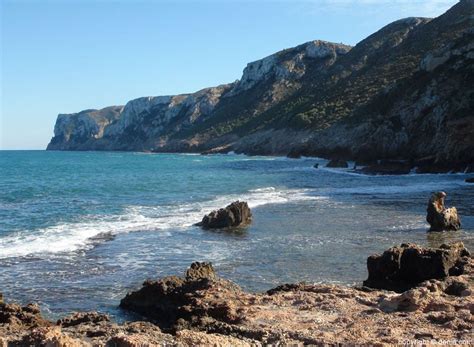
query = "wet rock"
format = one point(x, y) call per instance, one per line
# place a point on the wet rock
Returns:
point(294, 154)
point(388, 167)
point(337, 163)
point(316, 165)
point(470, 180)
point(234, 215)
point(439, 217)
point(404, 267)
point(83, 318)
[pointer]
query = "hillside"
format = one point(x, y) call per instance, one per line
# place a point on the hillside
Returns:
point(405, 92)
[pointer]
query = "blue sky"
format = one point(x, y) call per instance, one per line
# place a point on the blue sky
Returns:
point(66, 56)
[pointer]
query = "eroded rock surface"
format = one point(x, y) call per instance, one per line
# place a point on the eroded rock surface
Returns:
point(202, 309)
point(439, 217)
point(234, 215)
point(404, 267)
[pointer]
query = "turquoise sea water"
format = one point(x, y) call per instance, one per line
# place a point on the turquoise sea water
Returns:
point(80, 229)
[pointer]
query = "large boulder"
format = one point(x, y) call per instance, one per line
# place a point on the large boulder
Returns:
point(173, 300)
point(404, 267)
point(337, 163)
point(439, 217)
point(234, 215)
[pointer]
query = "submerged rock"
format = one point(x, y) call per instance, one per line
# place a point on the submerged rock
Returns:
point(439, 217)
point(337, 163)
point(234, 215)
point(404, 267)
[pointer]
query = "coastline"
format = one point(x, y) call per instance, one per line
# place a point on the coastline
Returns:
point(201, 309)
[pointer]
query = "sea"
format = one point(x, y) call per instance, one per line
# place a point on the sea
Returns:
point(78, 230)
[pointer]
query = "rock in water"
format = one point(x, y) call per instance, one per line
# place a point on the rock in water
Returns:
point(439, 217)
point(236, 214)
point(404, 267)
point(470, 180)
point(337, 163)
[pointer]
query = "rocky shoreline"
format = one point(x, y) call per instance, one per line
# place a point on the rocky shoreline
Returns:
point(433, 301)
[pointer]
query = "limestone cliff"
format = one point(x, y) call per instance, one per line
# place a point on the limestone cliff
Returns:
point(405, 92)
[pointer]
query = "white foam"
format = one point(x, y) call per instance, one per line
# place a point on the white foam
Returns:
point(70, 237)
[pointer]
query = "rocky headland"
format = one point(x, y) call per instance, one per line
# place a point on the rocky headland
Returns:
point(432, 301)
point(402, 95)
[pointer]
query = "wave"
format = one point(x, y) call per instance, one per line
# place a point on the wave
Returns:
point(83, 235)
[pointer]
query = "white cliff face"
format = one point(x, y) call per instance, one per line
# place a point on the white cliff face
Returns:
point(133, 111)
point(86, 124)
point(288, 64)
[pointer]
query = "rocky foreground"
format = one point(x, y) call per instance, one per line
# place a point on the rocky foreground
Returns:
point(434, 302)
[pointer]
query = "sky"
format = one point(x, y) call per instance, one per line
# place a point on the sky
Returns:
point(67, 56)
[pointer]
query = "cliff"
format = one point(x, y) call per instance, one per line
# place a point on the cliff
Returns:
point(404, 92)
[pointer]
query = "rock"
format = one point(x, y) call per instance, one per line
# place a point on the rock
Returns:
point(316, 165)
point(234, 215)
point(470, 180)
point(294, 154)
point(51, 337)
point(26, 316)
point(404, 267)
point(337, 163)
point(172, 299)
point(1, 298)
point(439, 217)
point(388, 167)
point(83, 318)
point(199, 270)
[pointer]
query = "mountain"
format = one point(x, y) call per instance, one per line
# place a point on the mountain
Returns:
point(405, 92)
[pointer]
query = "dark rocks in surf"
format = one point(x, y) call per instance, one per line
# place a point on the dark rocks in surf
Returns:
point(234, 215)
point(294, 154)
point(470, 180)
point(404, 267)
point(316, 165)
point(439, 217)
point(388, 167)
point(337, 163)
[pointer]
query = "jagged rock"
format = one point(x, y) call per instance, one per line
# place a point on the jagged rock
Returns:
point(404, 267)
point(234, 215)
point(174, 298)
point(28, 316)
point(83, 318)
point(199, 270)
point(51, 337)
point(439, 217)
point(470, 180)
point(337, 163)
